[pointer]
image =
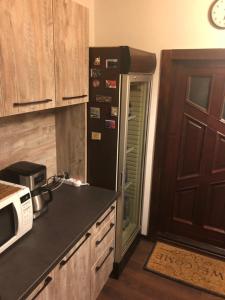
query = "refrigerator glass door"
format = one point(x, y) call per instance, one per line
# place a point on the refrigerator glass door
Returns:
point(133, 125)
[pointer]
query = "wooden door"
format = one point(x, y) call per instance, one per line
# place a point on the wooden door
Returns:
point(192, 161)
point(26, 56)
point(72, 276)
point(71, 52)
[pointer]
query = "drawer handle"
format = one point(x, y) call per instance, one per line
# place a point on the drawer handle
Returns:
point(74, 97)
point(46, 283)
point(99, 267)
point(65, 261)
point(16, 104)
point(107, 232)
point(111, 209)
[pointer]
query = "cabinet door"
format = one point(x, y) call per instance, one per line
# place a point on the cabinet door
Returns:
point(45, 290)
point(71, 52)
point(72, 276)
point(26, 56)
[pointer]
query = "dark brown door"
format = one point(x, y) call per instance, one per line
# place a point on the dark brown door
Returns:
point(192, 171)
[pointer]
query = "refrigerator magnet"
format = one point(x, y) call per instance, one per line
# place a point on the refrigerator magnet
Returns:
point(95, 113)
point(96, 136)
point(110, 84)
point(96, 83)
point(97, 61)
point(111, 124)
point(114, 111)
point(103, 99)
point(111, 63)
point(96, 73)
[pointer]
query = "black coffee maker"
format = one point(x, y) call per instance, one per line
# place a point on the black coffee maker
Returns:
point(33, 176)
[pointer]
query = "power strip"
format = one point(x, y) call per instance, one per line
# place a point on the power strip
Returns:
point(74, 182)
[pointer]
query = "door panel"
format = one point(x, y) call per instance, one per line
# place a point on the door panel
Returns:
point(184, 204)
point(192, 182)
point(214, 217)
point(191, 153)
point(219, 154)
point(198, 91)
point(215, 208)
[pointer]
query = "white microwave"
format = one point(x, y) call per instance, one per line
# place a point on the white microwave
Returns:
point(16, 213)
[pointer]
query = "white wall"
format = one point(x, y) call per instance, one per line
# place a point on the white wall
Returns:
point(154, 25)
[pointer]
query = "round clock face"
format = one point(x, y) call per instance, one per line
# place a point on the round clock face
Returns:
point(217, 13)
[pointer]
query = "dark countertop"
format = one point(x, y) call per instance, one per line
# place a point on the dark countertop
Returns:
point(70, 215)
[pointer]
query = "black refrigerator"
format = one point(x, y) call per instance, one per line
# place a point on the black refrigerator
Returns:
point(120, 80)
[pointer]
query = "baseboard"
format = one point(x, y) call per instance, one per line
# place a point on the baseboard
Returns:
point(118, 267)
point(151, 238)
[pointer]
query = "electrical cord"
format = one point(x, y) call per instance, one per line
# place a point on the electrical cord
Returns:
point(54, 182)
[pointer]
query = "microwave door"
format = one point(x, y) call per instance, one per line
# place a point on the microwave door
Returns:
point(8, 223)
point(16, 219)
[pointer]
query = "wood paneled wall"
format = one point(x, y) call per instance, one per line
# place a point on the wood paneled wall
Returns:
point(56, 139)
point(71, 140)
point(29, 137)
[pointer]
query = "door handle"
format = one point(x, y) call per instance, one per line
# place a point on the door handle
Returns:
point(111, 209)
point(46, 283)
point(99, 267)
point(74, 97)
point(16, 104)
point(121, 178)
point(107, 232)
point(65, 261)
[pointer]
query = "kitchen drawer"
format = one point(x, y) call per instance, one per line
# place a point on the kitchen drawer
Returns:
point(100, 242)
point(104, 219)
point(101, 270)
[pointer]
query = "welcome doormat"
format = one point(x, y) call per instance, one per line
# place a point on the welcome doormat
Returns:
point(186, 266)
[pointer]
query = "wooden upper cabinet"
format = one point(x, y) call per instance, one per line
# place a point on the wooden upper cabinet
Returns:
point(26, 56)
point(71, 52)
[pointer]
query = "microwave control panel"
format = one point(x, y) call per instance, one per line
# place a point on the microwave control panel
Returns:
point(27, 211)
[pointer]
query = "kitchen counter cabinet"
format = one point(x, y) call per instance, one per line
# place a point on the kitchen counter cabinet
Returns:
point(46, 290)
point(101, 270)
point(43, 55)
point(71, 277)
point(71, 215)
point(26, 56)
point(83, 272)
point(71, 52)
point(102, 250)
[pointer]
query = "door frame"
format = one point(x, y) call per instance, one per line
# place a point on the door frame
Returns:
point(169, 58)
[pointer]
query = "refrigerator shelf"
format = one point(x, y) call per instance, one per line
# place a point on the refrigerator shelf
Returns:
point(127, 185)
point(132, 117)
point(130, 149)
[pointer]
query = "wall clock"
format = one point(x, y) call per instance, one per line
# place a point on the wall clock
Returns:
point(217, 14)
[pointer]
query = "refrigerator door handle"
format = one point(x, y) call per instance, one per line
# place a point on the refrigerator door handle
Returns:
point(121, 179)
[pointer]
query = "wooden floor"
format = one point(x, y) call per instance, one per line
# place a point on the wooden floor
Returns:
point(138, 284)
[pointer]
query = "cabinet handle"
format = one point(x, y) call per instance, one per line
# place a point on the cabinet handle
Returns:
point(107, 232)
point(46, 283)
point(111, 209)
point(16, 104)
point(65, 261)
point(99, 267)
point(74, 97)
